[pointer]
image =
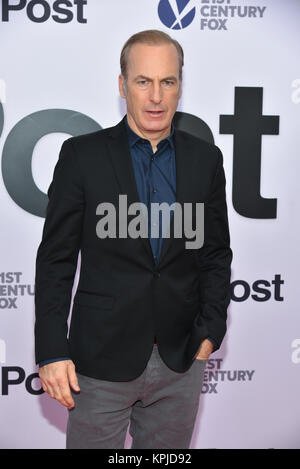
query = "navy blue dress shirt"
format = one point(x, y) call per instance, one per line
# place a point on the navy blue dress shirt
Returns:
point(155, 175)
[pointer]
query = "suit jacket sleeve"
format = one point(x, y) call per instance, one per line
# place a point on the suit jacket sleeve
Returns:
point(57, 256)
point(215, 259)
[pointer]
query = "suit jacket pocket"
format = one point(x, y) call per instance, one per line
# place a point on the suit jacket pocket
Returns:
point(94, 300)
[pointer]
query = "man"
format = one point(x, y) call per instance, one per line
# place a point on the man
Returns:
point(148, 312)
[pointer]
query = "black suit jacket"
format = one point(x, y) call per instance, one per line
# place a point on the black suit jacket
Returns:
point(123, 300)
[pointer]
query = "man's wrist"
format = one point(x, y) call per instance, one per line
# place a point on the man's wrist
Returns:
point(52, 360)
point(206, 348)
point(213, 342)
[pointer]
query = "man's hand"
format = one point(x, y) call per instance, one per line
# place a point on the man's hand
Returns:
point(205, 350)
point(56, 378)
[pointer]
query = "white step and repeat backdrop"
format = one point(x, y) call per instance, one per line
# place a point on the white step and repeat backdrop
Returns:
point(59, 63)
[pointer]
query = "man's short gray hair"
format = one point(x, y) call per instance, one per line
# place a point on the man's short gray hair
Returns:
point(150, 37)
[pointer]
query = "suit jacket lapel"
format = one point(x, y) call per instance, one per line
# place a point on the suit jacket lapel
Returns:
point(122, 163)
point(185, 192)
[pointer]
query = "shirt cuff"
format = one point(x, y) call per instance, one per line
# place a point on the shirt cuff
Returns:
point(52, 360)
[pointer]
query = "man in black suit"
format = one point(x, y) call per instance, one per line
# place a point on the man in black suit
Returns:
point(148, 311)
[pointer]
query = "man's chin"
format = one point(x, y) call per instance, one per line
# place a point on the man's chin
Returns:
point(150, 126)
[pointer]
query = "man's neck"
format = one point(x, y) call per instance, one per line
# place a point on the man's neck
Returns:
point(154, 137)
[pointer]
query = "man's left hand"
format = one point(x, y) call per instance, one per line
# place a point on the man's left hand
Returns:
point(205, 350)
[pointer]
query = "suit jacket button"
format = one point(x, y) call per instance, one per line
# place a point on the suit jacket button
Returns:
point(156, 274)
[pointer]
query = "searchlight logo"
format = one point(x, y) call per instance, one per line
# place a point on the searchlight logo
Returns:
point(176, 14)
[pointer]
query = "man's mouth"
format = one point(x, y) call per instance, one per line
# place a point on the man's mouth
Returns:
point(155, 113)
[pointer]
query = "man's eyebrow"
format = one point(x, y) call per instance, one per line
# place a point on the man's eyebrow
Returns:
point(143, 77)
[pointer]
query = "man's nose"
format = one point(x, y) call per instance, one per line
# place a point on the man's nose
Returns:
point(156, 93)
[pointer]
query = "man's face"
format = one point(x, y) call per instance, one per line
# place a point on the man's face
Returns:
point(153, 88)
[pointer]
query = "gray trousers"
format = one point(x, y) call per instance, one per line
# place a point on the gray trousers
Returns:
point(160, 404)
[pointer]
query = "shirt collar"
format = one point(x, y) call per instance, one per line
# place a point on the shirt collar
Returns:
point(133, 137)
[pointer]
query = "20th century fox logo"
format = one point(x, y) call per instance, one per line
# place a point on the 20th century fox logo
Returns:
point(187, 218)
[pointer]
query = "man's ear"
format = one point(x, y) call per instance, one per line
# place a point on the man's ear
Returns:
point(122, 86)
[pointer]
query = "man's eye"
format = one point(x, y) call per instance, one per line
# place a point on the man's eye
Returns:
point(142, 82)
point(168, 82)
